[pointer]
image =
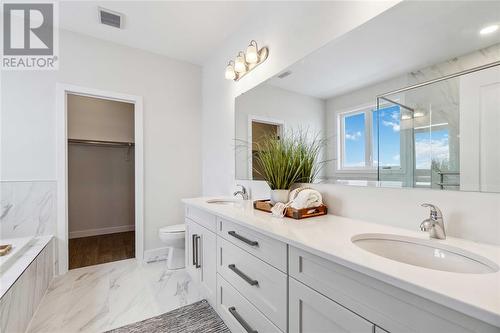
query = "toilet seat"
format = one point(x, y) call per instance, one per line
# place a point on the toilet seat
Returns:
point(173, 229)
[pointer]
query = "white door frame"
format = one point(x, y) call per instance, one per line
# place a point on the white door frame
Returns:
point(62, 90)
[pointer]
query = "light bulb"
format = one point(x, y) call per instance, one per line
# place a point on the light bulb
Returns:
point(252, 55)
point(230, 74)
point(489, 29)
point(239, 64)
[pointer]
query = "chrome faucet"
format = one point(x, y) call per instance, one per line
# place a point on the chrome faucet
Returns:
point(243, 192)
point(434, 224)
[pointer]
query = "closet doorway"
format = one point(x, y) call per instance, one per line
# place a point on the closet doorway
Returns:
point(100, 152)
point(101, 196)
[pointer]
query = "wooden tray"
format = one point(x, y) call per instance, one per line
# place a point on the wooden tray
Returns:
point(4, 249)
point(298, 214)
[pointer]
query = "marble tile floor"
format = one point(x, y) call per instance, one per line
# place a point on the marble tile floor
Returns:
point(102, 297)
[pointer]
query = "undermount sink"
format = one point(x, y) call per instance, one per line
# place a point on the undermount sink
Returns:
point(425, 253)
point(222, 202)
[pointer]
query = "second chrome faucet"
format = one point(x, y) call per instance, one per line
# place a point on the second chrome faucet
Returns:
point(435, 223)
point(243, 192)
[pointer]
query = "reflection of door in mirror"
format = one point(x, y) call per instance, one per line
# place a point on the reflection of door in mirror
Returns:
point(260, 130)
point(479, 128)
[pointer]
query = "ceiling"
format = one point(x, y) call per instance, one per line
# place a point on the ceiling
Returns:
point(409, 36)
point(187, 31)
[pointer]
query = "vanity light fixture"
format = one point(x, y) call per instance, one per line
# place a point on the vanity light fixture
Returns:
point(240, 64)
point(245, 62)
point(489, 29)
point(230, 72)
point(252, 55)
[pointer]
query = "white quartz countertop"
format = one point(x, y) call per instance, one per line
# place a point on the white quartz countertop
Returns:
point(329, 236)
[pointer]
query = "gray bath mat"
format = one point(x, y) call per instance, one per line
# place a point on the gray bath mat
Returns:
point(196, 318)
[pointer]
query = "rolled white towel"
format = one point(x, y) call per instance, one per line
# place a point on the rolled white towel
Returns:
point(305, 198)
point(279, 209)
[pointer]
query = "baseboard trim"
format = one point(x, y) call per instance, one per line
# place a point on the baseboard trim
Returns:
point(158, 254)
point(100, 231)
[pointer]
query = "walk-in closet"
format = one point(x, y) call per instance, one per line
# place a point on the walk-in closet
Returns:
point(101, 195)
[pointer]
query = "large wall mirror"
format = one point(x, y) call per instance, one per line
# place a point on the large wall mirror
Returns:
point(409, 99)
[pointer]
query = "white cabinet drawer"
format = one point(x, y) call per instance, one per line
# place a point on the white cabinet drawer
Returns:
point(238, 313)
point(390, 308)
point(263, 285)
point(202, 217)
point(270, 250)
point(311, 312)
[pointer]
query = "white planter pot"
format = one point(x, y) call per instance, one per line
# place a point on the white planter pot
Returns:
point(279, 196)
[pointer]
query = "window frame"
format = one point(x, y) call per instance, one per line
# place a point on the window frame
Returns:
point(367, 110)
point(370, 167)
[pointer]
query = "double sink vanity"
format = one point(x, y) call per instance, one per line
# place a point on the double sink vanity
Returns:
point(335, 274)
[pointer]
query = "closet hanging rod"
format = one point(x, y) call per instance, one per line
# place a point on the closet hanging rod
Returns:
point(101, 143)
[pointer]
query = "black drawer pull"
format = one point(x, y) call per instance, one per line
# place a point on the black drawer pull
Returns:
point(240, 320)
point(194, 248)
point(242, 275)
point(243, 239)
point(198, 265)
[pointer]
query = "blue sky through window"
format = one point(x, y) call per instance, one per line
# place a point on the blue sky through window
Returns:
point(386, 136)
point(388, 140)
point(354, 140)
point(431, 145)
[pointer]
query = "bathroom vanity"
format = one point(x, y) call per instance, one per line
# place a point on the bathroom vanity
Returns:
point(264, 274)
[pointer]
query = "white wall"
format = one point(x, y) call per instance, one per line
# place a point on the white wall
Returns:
point(100, 190)
point(171, 101)
point(100, 119)
point(295, 111)
point(293, 33)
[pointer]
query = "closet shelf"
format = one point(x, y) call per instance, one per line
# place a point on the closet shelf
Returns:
point(100, 143)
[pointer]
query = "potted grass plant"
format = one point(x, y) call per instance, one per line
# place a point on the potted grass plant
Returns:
point(288, 160)
point(309, 150)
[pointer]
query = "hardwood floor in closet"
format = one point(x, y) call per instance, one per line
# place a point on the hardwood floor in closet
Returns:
point(94, 250)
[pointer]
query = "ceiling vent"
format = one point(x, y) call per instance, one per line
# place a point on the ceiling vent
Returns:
point(284, 74)
point(111, 18)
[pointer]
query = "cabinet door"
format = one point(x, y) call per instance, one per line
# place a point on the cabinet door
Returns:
point(207, 262)
point(311, 312)
point(191, 234)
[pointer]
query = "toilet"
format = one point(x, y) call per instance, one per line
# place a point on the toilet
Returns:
point(173, 237)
